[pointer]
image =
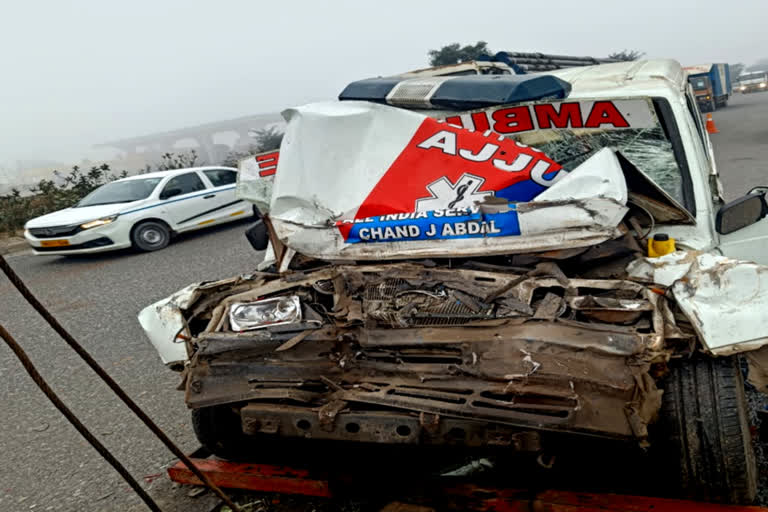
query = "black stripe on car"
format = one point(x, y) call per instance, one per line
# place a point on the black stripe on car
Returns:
point(211, 211)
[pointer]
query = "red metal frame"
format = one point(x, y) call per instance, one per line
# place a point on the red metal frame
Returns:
point(254, 477)
point(285, 480)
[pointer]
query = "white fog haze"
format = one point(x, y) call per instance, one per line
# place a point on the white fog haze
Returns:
point(80, 73)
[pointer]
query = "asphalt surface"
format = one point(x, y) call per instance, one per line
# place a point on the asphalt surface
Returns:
point(741, 147)
point(45, 465)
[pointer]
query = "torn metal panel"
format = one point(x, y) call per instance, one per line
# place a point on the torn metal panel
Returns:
point(663, 270)
point(523, 384)
point(255, 178)
point(578, 337)
point(437, 345)
point(467, 193)
point(721, 297)
point(166, 327)
point(724, 300)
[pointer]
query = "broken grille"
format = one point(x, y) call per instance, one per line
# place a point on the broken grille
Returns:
point(394, 301)
point(385, 290)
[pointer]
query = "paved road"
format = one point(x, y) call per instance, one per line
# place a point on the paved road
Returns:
point(43, 462)
point(741, 147)
point(44, 465)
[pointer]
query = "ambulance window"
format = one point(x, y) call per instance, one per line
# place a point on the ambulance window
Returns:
point(693, 109)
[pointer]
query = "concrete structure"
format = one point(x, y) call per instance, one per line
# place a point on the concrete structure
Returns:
point(212, 141)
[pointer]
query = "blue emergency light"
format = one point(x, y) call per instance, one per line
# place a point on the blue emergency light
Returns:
point(457, 92)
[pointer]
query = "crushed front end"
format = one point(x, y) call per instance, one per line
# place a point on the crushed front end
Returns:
point(464, 352)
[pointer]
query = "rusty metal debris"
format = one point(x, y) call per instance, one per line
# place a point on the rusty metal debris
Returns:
point(467, 352)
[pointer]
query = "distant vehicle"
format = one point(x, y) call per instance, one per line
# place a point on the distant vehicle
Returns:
point(756, 81)
point(142, 211)
point(712, 85)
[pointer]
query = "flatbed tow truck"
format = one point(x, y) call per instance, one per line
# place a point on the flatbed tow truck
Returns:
point(425, 495)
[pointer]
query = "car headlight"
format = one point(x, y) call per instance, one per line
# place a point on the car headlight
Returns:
point(98, 222)
point(762, 84)
point(244, 316)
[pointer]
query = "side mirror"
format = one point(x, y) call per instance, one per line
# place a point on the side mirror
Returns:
point(167, 194)
point(741, 213)
point(257, 235)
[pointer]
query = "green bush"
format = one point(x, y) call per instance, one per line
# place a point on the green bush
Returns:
point(50, 195)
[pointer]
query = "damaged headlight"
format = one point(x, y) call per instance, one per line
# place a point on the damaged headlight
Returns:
point(244, 316)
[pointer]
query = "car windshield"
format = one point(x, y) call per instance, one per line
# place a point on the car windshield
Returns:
point(639, 136)
point(647, 148)
point(753, 76)
point(699, 83)
point(124, 191)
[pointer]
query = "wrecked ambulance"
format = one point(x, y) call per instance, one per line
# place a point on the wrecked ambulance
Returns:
point(464, 261)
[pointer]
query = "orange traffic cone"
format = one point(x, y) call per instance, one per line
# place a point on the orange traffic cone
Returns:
point(711, 128)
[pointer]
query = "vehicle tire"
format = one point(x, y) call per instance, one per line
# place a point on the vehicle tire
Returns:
point(218, 429)
point(150, 236)
point(703, 436)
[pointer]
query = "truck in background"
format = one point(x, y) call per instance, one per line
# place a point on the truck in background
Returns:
point(754, 81)
point(712, 85)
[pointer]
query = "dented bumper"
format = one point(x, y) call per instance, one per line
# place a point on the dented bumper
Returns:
point(408, 353)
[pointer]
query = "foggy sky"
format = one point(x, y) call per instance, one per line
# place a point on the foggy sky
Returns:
point(80, 72)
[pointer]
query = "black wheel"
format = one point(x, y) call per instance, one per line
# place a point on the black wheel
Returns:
point(704, 441)
point(218, 429)
point(150, 236)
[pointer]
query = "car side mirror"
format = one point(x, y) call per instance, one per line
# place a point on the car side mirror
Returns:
point(758, 190)
point(257, 235)
point(167, 194)
point(741, 213)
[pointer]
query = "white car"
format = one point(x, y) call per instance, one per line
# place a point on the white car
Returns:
point(142, 211)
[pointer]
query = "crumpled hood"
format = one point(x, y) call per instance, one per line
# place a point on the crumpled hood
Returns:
point(362, 181)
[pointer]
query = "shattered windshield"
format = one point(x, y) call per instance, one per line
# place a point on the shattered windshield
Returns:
point(571, 132)
point(647, 148)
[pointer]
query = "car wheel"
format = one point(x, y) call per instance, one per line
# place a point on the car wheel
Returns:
point(704, 441)
point(150, 236)
point(218, 430)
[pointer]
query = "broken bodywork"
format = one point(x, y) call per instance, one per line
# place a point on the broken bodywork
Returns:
point(420, 352)
point(513, 316)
